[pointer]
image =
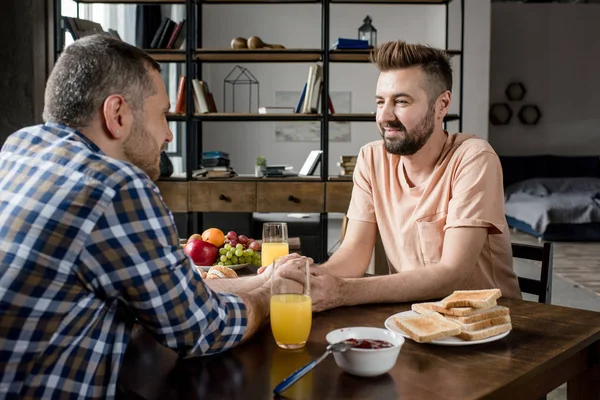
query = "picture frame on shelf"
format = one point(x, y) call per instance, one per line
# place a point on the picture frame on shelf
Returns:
point(311, 163)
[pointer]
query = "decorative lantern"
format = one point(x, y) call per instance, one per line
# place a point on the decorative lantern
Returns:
point(368, 32)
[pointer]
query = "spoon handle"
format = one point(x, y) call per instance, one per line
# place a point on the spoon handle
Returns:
point(299, 373)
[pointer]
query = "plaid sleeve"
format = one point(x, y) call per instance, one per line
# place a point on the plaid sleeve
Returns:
point(133, 254)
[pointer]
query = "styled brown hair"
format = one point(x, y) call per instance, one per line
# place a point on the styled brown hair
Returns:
point(435, 63)
point(91, 69)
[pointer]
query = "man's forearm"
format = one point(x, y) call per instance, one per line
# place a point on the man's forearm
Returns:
point(414, 285)
point(235, 285)
point(348, 263)
point(257, 308)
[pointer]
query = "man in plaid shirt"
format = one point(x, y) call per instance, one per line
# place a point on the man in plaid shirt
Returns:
point(84, 235)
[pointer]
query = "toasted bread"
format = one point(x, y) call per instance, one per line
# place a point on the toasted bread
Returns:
point(423, 308)
point(428, 327)
point(485, 332)
point(486, 323)
point(471, 298)
point(481, 314)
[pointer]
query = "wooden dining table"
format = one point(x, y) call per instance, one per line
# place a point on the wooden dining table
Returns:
point(547, 346)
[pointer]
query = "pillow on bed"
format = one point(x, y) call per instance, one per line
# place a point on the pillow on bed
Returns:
point(543, 187)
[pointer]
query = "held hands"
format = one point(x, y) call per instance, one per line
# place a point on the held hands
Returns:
point(267, 270)
point(326, 290)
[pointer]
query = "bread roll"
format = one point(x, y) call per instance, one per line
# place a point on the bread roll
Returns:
point(220, 272)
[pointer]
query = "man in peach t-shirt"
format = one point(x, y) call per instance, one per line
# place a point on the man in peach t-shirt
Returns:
point(436, 199)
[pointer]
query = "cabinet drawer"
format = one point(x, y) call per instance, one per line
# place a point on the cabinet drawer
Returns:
point(222, 196)
point(174, 194)
point(290, 197)
point(338, 196)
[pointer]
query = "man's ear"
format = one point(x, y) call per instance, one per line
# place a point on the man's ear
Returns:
point(442, 105)
point(118, 116)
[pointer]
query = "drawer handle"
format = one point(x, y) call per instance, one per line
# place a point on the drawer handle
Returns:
point(293, 199)
point(224, 198)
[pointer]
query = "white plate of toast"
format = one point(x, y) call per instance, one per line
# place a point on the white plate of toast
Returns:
point(464, 318)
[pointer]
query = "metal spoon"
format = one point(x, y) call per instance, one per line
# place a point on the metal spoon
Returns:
point(299, 373)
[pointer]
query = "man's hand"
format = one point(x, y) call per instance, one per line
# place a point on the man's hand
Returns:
point(326, 290)
point(268, 269)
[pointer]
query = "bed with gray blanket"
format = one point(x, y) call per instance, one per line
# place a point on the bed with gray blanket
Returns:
point(555, 208)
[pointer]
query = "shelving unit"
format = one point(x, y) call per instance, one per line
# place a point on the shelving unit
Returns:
point(322, 194)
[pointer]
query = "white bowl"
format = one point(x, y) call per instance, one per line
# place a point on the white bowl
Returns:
point(366, 362)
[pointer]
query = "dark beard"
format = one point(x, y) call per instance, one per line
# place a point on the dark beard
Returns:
point(414, 139)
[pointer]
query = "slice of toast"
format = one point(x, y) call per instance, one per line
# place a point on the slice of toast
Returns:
point(424, 308)
point(486, 323)
point(471, 298)
point(481, 314)
point(485, 332)
point(428, 327)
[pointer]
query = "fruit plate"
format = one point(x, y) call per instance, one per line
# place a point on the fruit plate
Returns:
point(233, 267)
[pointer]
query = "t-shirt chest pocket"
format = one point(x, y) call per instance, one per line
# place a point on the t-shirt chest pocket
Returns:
point(431, 236)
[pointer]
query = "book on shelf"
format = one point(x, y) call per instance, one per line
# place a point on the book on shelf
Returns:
point(310, 97)
point(204, 101)
point(343, 43)
point(169, 35)
point(276, 110)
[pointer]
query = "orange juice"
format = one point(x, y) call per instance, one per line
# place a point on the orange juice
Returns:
point(272, 251)
point(291, 318)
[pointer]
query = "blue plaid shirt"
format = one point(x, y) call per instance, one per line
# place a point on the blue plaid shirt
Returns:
point(81, 236)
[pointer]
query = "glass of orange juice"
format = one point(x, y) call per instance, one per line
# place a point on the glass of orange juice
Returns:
point(291, 305)
point(274, 242)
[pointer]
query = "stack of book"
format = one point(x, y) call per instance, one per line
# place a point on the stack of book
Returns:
point(279, 171)
point(347, 164)
point(214, 164)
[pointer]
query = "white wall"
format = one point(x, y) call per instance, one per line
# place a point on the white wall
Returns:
point(298, 26)
point(553, 50)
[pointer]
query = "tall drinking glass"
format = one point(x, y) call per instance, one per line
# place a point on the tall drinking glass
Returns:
point(291, 305)
point(274, 242)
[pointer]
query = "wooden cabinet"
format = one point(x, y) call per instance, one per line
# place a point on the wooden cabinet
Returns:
point(307, 197)
point(338, 196)
point(253, 196)
point(222, 196)
point(174, 194)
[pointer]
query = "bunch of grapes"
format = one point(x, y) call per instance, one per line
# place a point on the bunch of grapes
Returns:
point(238, 250)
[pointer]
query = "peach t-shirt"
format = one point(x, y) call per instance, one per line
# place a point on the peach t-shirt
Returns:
point(464, 190)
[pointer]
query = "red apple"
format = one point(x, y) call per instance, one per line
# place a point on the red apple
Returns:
point(201, 252)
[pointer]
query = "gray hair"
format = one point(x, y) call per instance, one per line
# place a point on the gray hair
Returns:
point(91, 69)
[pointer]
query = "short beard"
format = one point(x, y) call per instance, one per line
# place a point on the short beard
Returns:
point(414, 139)
point(141, 149)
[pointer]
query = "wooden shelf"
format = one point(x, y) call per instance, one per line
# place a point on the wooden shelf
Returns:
point(175, 117)
point(366, 117)
point(360, 55)
point(259, 1)
point(393, 1)
point(257, 117)
point(166, 55)
point(259, 55)
point(133, 1)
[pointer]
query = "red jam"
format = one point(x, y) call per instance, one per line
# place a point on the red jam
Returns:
point(371, 344)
